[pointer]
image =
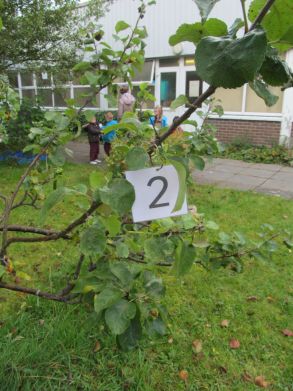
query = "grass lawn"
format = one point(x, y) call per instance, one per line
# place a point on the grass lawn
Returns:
point(49, 346)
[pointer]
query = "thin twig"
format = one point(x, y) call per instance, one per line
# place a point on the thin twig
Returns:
point(244, 16)
point(262, 14)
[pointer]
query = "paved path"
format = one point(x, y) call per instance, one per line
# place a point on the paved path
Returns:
point(235, 174)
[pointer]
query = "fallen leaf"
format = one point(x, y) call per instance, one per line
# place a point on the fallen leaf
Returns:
point(198, 356)
point(252, 298)
point(170, 340)
point(197, 345)
point(285, 217)
point(97, 347)
point(234, 344)
point(270, 299)
point(247, 377)
point(261, 382)
point(225, 323)
point(223, 369)
point(41, 322)
point(183, 374)
point(287, 333)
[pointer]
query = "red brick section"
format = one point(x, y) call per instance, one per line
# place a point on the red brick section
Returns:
point(253, 132)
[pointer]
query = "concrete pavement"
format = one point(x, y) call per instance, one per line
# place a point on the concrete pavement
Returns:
point(264, 178)
point(235, 174)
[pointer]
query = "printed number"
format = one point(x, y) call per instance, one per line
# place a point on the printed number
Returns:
point(162, 192)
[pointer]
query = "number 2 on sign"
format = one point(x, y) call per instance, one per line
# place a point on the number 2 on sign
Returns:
point(156, 192)
point(154, 204)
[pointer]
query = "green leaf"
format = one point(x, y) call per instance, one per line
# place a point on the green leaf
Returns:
point(205, 7)
point(158, 248)
point(93, 241)
point(194, 32)
point(88, 284)
point(53, 199)
point(275, 71)
point(97, 179)
point(129, 339)
point(82, 66)
point(212, 225)
point(2, 271)
point(112, 225)
point(181, 172)
point(277, 22)
point(153, 285)
point(120, 26)
point(261, 90)
point(92, 78)
point(236, 26)
point(122, 250)
point(122, 273)
point(155, 327)
point(287, 38)
point(187, 32)
point(184, 259)
point(119, 195)
point(57, 157)
point(198, 162)
point(179, 101)
point(230, 63)
point(106, 299)
point(89, 114)
point(119, 315)
point(136, 158)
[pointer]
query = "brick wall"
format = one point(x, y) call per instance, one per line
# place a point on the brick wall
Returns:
point(254, 132)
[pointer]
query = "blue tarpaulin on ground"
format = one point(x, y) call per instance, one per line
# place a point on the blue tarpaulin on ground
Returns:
point(19, 157)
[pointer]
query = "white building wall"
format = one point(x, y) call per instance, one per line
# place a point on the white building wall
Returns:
point(163, 19)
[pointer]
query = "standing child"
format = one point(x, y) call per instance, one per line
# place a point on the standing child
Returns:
point(126, 102)
point(109, 137)
point(93, 133)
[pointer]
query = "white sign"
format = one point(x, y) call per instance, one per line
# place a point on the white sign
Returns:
point(156, 192)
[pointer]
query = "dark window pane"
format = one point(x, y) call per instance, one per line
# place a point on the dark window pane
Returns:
point(145, 73)
point(12, 77)
point(81, 95)
point(26, 79)
point(43, 79)
point(45, 97)
point(149, 104)
point(168, 88)
point(60, 95)
point(169, 62)
point(29, 95)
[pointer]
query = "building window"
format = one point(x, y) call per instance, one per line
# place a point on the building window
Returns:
point(146, 74)
point(149, 104)
point(82, 94)
point(60, 95)
point(193, 86)
point(43, 79)
point(27, 79)
point(169, 62)
point(167, 88)
point(230, 99)
point(45, 97)
point(254, 104)
point(12, 77)
point(29, 94)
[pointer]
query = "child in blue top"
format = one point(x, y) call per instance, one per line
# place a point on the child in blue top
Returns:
point(109, 137)
point(159, 120)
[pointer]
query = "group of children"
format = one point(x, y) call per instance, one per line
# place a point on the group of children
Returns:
point(96, 134)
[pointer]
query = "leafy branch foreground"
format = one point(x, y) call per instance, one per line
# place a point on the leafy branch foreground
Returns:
point(115, 271)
